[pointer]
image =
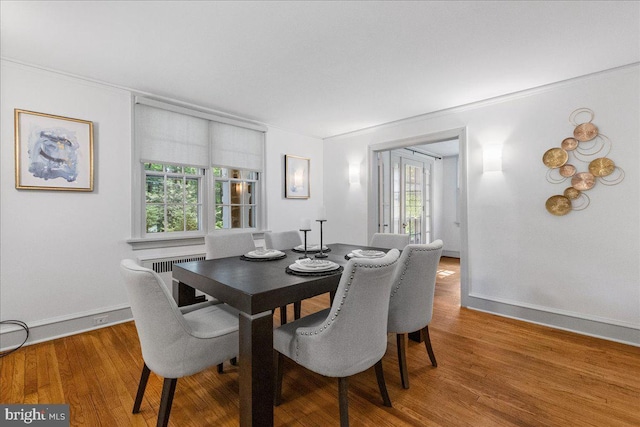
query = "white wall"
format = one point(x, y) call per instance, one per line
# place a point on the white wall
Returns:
point(580, 271)
point(59, 251)
point(450, 225)
point(285, 214)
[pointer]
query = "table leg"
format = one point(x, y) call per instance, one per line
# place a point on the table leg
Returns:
point(256, 369)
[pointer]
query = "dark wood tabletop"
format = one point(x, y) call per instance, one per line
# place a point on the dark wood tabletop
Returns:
point(255, 288)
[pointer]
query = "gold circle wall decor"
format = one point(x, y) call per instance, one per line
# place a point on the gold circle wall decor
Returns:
point(583, 181)
point(571, 193)
point(569, 144)
point(555, 157)
point(558, 205)
point(602, 167)
point(585, 145)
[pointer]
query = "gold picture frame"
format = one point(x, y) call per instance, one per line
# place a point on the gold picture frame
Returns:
point(53, 152)
point(296, 177)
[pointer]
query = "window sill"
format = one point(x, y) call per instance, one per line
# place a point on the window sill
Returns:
point(165, 242)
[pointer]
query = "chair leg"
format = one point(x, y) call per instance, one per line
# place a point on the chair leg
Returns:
point(343, 398)
point(234, 361)
point(142, 385)
point(427, 343)
point(220, 368)
point(382, 385)
point(168, 389)
point(297, 309)
point(402, 359)
point(283, 314)
point(277, 392)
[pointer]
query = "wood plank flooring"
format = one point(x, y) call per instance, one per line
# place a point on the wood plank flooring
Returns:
point(492, 371)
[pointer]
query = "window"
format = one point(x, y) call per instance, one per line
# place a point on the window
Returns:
point(173, 201)
point(236, 198)
point(195, 173)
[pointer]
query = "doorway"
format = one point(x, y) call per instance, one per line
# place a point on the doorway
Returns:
point(404, 197)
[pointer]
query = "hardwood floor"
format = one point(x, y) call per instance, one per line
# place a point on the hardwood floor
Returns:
point(492, 371)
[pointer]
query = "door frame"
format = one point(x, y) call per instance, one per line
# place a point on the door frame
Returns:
point(372, 191)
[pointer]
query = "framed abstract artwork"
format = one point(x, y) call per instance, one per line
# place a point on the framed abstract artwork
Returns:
point(296, 177)
point(53, 152)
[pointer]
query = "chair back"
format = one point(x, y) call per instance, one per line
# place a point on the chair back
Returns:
point(162, 329)
point(282, 240)
point(227, 245)
point(353, 337)
point(413, 287)
point(389, 240)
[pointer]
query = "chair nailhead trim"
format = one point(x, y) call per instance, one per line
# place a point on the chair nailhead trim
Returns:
point(406, 266)
point(325, 326)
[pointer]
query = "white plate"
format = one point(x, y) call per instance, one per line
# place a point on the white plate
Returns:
point(311, 247)
point(302, 268)
point(359, 253)
point(315, 264)
point(264, 253)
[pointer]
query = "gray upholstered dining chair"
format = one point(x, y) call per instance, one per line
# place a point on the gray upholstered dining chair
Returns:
point(227, 245)
point(411, 300)
point(176, 342)
point(389, 240)
point(283, 240)
point(347, 338)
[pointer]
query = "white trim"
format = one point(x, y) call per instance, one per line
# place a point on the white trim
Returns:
point(579, 325)
point(489, 101)
point(63, 326)
point(558, 311)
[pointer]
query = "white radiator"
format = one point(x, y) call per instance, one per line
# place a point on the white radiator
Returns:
point(164, 266)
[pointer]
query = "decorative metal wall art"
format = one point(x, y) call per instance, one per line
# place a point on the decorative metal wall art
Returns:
point(588, 146)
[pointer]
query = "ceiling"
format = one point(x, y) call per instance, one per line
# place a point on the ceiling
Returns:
point(323, 68)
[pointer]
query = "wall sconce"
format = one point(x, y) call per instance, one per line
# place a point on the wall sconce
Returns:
point(354, 173)
point(492, 158)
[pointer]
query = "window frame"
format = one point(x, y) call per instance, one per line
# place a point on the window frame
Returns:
point(256, 203)
point(201, 206)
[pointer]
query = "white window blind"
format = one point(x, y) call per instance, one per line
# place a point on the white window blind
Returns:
point(236, 147)
point(167, 137)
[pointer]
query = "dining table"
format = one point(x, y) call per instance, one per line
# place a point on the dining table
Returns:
point(256, 288)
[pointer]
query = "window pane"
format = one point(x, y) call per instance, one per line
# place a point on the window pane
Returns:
point(236, 217)
point(248, 195)
point(249, 216)
point(175, 218)
point(155, 218)
point(192, 171)
point(175, 188)
point(220, 172)
point(153, 167)
point(174, 169)
point(191, 191)
point(155, 189)
point(250, 175)
point(191, 213)
point(236, 193)
point(222, 192)
point(235, 173)
point(222, 217)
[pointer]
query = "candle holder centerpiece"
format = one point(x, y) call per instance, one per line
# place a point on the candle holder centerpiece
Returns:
point(305, 227)
point(321, 254)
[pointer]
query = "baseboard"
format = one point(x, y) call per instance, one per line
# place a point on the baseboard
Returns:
point(50, 329)
point(451, 254)
point(590, 327)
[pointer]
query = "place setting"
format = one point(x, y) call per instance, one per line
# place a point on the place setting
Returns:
point(262, 254)
point(313, 267)
point(364, 253)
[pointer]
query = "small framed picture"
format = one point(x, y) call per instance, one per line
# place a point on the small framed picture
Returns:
point(53, 152)
point(296, 177)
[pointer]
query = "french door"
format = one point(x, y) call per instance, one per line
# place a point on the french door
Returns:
point(405, 200)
